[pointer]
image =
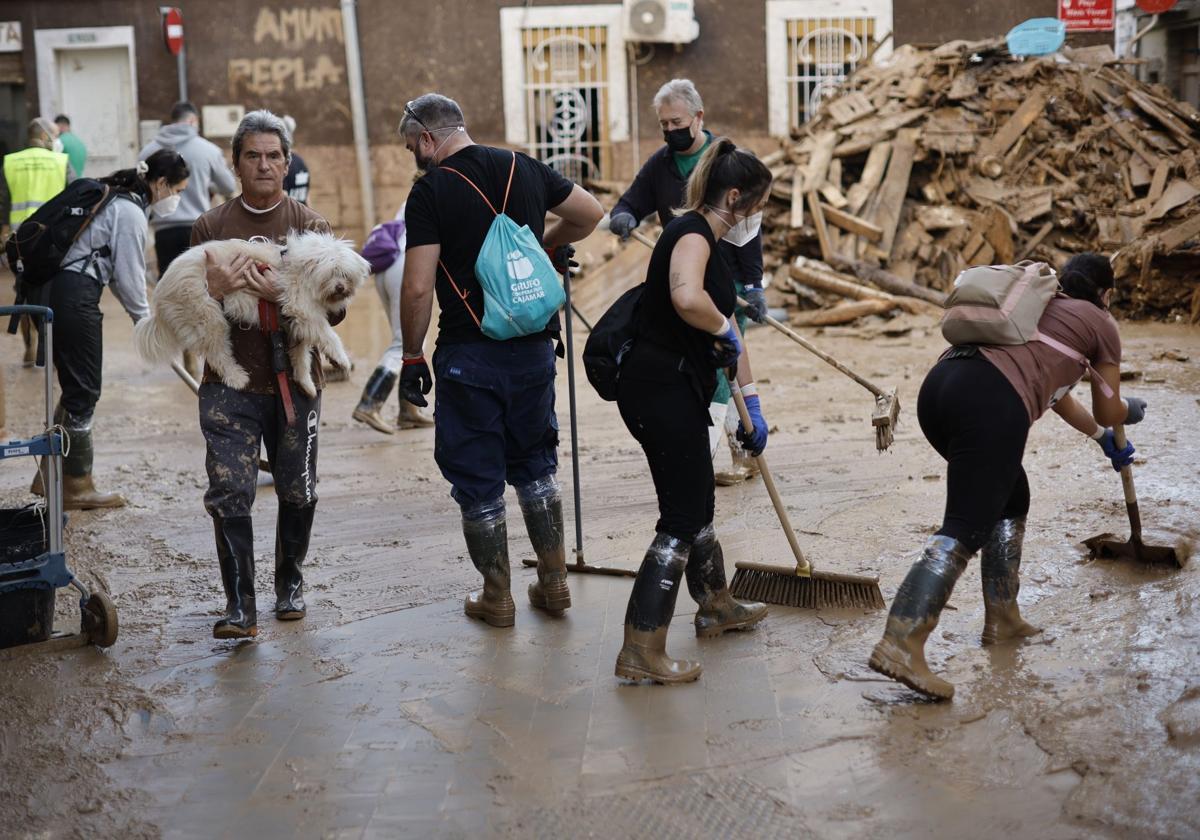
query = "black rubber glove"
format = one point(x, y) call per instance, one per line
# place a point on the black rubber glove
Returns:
point(756, 304)
point(416, 381)
point(1136, 412)
point(561, 257)
point(622, 224)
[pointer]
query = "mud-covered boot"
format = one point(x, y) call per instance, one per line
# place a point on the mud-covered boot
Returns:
point(743, 466)
point(374, 396)
point(651, 606)
point(541, 505)
point(718, 609)
point(1000, 568)
point(410, 417)
point(486, 530)
point(292, 531)
point(79, 493)
point(900, 654)
point(235, 553)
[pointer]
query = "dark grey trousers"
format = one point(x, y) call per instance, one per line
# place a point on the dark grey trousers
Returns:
point(234, 424)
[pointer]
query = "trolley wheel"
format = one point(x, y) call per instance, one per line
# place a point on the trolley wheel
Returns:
point(100, 619)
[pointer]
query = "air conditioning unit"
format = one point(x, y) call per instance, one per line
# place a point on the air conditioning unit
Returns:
point(661, 21)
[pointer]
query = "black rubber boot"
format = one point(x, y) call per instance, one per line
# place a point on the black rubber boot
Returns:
point(1000, 568)
point(486, 530)
point(235, 553)
point(919, 602)
point(374, 396)
point(718, 611)
point(292, 531)
point(541, 505)
point(648, 616)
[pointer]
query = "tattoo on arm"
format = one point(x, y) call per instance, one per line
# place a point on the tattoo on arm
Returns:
point(676, 280)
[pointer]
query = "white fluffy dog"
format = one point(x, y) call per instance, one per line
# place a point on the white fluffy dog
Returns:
point(318, 272)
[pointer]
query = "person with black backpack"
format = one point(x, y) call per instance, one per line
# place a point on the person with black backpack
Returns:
point(494, 418)
point(109, 249)
point(685, 333)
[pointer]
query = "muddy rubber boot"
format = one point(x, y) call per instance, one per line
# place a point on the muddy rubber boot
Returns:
point(374, 397)
point(292, 531)
point(486, 531)
point(541, 505)
point(744, 466)
point(79, 493)
point(1000, 568)
point(235, 553)
point(643, 656)
point(718, 610)
point(410, 417)
point(900, 654)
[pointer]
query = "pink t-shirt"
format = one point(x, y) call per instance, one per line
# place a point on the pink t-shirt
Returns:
point(1042, 375)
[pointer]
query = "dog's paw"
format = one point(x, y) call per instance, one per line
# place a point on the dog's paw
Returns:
point(235, 377)
point(308, 386)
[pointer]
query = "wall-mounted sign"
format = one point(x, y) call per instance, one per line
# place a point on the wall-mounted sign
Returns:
point(172, 21)
point(10, 36)
point(1156, 7)
point(1087, 15)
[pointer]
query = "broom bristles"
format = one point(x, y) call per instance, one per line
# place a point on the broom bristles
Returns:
point(785, 588)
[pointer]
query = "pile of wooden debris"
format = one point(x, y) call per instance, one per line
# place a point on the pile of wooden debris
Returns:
point(934, 160)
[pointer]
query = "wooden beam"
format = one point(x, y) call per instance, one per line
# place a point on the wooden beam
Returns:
point(843, 313)
point(817, 276)
point(1159, 182)
point(818, 219)
point(872, 176)
point(852, 224)
point(812, 175)
point(1025, 116)
point(895, 187)
point(889, 282)
point(1035, 241)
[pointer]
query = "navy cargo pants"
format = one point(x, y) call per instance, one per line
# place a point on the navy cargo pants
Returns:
point(494, 416)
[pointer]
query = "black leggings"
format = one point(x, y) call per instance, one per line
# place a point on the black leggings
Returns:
point(671, 424)
point(975, 420)
point(78, 344)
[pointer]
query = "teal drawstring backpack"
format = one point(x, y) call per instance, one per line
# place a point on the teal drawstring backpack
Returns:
point(521, 291)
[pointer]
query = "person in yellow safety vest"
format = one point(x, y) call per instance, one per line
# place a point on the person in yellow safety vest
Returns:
point(28, 179)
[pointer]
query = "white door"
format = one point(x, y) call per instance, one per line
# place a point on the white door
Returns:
point(96, 91)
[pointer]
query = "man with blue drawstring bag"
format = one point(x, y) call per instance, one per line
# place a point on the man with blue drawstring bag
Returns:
point(478, 239)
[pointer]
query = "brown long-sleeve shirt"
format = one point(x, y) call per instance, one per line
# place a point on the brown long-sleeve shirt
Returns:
point(231, 220)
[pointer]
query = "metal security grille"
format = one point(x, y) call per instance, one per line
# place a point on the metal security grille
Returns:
point(821, 53)
point(567, 98)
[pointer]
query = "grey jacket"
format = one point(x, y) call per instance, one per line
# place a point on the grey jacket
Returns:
point(208, 172)
point(121, 225)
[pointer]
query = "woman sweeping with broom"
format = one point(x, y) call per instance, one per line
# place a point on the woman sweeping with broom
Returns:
point(684, 335)
point(975, 407)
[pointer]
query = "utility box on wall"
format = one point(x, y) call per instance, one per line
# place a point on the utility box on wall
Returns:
point(221, 121)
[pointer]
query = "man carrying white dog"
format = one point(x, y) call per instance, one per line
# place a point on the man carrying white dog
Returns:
point(236, 423)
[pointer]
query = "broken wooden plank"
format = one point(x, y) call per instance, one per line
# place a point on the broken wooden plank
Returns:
point(1140, 175)
point(812, 174)
point(843, 313)
point(852, 224)
point(832, 195)
point(882, 125)
point(820, 276)
point(872, 176)
point(895, 187)
point(1035, 241)
point(1179, 130)
point(1159, 183)
point(1185, 231)
point(941, 217)
point(847, 109)
point(1003, 140)
point(1129, 136)
point(1054, 173)
point(1033, 204)
point(1179, 192)
point(889, 282)
point(818, 220)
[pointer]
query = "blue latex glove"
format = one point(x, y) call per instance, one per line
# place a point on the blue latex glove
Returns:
point(622, 224)
point(726, 348)
point(1119, 457)
point(415, 381)
point(756, 304)
point(1136, 412)
point(754, 441)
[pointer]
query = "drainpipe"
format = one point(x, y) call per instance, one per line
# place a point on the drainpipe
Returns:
point(1133, 42)
point(358, 112)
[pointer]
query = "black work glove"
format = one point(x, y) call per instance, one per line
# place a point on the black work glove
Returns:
point(561, 258)
point(622, 224)
point(1136, 410)
point(756, 304)
point(416, 381)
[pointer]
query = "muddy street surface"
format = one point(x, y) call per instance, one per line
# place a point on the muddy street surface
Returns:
point(387, 713)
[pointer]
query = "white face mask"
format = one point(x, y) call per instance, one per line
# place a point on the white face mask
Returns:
point(166, 206)
point(57, 145)
point(743, 231)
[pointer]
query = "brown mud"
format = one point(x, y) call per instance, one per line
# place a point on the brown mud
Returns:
point(1090, 729)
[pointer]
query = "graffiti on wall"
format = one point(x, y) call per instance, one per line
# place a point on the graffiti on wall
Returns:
point(293, 30)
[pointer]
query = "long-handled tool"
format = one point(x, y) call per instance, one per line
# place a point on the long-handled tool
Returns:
point(579, 565)
point(190, 381)
point(802, 585)
point(1110, 547)
point(887, 404)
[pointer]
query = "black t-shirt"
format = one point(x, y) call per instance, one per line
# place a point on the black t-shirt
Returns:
point(663, 337)
point(445, 210)
point(295, 182)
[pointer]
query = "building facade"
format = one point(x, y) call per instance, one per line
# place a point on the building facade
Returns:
point(569, 83)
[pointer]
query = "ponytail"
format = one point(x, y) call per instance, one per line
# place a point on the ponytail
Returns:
point(723, 167)
point(1087, 277)
point(164, 163)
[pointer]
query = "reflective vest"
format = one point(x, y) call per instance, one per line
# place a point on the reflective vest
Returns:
point(34, 175)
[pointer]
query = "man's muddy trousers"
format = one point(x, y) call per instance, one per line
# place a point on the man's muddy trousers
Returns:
point(234, 424)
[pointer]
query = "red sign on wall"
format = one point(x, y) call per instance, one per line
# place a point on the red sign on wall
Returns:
point(1087, 15)
point(1156, 7)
